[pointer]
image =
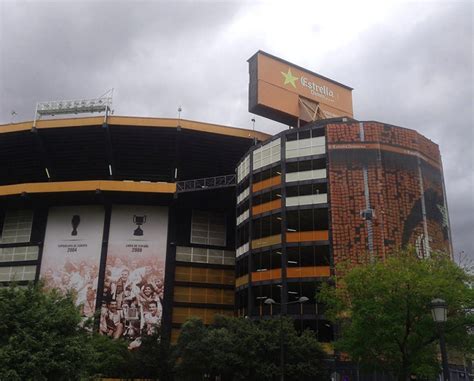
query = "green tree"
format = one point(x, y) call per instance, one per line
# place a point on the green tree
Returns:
point(106, 357)
point(192, 358)
point(383, 312)
point(241, 349)
point(40, 335)
point(43, 337)
point(152, 360)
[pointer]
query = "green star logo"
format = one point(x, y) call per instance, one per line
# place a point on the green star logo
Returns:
point(289, 78)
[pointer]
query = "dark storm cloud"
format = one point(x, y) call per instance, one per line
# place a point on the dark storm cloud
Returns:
point(68, 50)
point(420, 75)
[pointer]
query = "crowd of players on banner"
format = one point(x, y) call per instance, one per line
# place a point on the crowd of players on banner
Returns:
point(132, 296)
point(132, 299)
point(79, 277)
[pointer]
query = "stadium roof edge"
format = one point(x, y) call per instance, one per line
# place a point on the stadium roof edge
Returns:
point(136, 121)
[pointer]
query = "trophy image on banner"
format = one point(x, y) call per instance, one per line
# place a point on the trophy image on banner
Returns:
point(75, 221)
point(139, 221)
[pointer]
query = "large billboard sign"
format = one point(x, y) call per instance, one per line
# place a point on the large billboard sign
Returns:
point(134, 274)
point(71, 253)
point(285, 92)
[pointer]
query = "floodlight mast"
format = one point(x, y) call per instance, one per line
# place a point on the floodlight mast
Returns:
point(52, 108)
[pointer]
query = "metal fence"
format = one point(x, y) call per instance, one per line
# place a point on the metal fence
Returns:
point(206, 183)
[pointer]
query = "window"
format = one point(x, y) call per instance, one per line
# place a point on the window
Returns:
point(305, 134)
point(307, 219)
point(267, 226)
point(266, 260)
point(242, 235)
point(17, 226)
point(241, 302)
point(242, 217)
point(17, 273)
point(243, 207)
point(305, 165)
point(242, 267)
point(267, 174)
point(306, 189)
point(308, 256)
point(243, 212)
point(243, 194)
point(305, 145)
point(208, 228)
point(24, 253)
point(243, 169)
point(267, 154)
point(265, 197)
point(306, 170)
point(299, 289)
point(203, 255)
point(263, 292)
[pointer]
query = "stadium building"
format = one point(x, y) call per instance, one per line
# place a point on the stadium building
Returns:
point(306, 200)
point(332, 191)
point(82, 200)
point(152, 219)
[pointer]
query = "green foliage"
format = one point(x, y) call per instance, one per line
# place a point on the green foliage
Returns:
point(383, 311)
point(191, 348)
point(40, 336)
point(152, 360)
point(240, 349)
point(106, 357)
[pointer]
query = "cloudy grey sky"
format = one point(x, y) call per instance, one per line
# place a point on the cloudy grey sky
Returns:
point(410, 64)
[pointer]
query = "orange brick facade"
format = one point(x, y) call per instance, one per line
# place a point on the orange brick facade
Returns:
point(396, 174)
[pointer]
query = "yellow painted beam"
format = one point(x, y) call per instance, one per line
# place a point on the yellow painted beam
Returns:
point(84, 186)
point(136, 121)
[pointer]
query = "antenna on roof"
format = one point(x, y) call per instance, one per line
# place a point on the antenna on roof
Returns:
point(179, 112)
point(253, 127)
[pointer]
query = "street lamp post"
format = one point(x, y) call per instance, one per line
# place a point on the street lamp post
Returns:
point(270, 301)
point(439, 311)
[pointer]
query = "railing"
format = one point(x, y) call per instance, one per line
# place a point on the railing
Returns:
point(206, 183)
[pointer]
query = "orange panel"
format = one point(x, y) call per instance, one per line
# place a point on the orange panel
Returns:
point(266, 241)
point(204, 275)
point(203, 295)
point(277, 98)
point(87, 186)
point(308, 272)
point(266, 275)
point(271, 182)
point(267, 206)
point(316, 235)
point(285, 81)
point(242, 280)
